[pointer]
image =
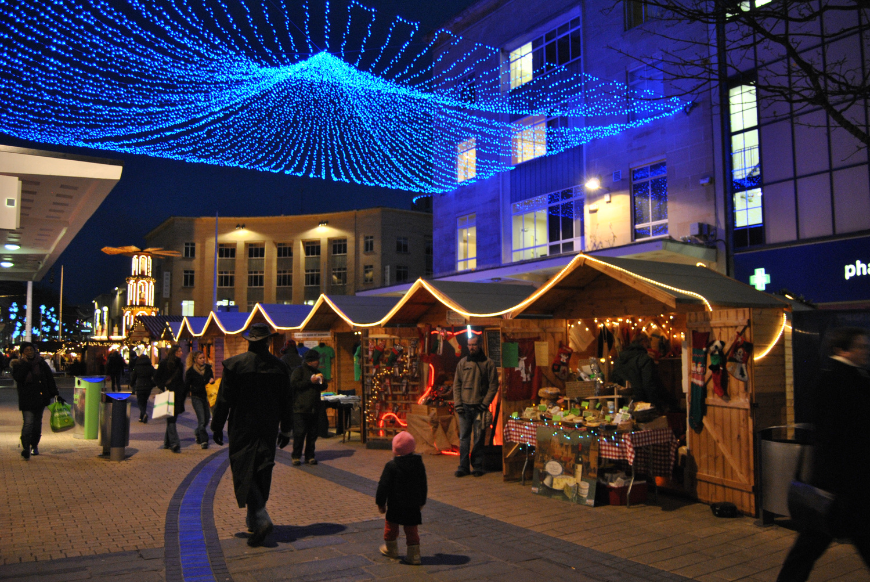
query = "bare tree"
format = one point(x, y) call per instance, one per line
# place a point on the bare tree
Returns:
point(800, 55)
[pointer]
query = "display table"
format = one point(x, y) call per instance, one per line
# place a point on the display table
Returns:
point(653, 450)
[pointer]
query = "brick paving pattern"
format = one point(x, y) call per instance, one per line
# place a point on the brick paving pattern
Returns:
point(70, 515)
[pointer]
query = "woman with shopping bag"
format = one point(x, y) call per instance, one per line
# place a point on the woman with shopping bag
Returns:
point(36, 388)
point(170, 377)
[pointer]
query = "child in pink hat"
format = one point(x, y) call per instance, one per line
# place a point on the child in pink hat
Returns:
point(401, 495)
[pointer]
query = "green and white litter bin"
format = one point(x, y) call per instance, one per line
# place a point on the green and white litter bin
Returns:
point(86, 406)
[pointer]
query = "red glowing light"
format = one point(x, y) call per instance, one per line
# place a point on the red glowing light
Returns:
point(450, 453)
point(429, 384)
point(389, 414)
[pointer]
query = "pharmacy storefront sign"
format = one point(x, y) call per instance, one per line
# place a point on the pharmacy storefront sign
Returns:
point(827, 272)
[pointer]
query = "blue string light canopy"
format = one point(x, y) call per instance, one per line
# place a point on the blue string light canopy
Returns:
point(326, 91)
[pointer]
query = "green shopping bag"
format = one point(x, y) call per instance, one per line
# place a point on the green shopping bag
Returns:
point(61, 416)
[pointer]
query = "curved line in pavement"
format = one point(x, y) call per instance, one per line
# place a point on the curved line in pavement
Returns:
point(192, 551)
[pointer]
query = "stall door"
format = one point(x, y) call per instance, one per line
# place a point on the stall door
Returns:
point(722, 452)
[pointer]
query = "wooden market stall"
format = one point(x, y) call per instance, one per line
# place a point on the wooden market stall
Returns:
point(606, 297)
point(222, 330)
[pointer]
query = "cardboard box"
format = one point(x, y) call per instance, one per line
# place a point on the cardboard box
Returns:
point(426, 410)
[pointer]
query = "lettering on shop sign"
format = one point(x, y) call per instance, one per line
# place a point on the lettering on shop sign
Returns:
point(857, 270)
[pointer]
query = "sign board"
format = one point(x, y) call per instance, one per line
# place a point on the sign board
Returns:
point(493, 346)
point(311, 335)
point(824, 272)
point(454, 318)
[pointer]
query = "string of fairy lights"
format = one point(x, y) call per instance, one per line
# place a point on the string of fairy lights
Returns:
point(329, 91)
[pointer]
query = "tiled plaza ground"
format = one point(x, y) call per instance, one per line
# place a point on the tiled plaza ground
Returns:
point(70, 515)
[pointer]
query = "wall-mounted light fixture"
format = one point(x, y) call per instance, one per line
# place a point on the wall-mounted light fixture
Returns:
point(323, 224)
point(12, 246)
point(6, 264)
point(240, 226)
point(594, 183)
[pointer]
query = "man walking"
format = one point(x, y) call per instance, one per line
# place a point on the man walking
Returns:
point(474, 388)
point(255, 396)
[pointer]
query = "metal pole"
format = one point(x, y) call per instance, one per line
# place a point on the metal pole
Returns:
point(214, 287)
point(28, 313)
point(60, 318)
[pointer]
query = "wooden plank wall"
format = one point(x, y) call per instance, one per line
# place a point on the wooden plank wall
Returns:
point(769, 371)
point(342, 368)
point(722, 453)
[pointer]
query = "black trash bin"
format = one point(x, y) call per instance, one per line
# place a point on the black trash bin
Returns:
point(780, 450)
point(115, 424)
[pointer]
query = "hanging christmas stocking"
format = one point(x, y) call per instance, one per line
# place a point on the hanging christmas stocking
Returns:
point(697, 406)
point(738, 357)
point(717, 367)
point(454, 343)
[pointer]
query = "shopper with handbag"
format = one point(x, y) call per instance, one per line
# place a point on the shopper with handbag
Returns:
point(841, 438)
point(170, 376)
point(36, 388)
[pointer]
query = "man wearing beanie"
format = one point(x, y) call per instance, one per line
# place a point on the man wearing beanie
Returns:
point(401, 494)
point(306, 384)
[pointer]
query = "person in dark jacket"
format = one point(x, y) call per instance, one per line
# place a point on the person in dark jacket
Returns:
point(141, 382)
point(841, 440)
point(635, 365)
point(255, 396)
point(401, 494)
point(170, 376)
point(36, 388)
point(290, 355)
point(199, 374)
point(114, 369)
point(306, 384)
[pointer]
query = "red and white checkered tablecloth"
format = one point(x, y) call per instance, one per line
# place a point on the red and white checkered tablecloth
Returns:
point(629, 447)
point(521, 431)
point(635, 448)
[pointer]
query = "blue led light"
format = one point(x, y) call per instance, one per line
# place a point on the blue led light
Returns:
point(325, 91)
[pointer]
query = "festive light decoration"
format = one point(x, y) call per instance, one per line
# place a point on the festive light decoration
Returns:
point(775, 340)
point(331, 92)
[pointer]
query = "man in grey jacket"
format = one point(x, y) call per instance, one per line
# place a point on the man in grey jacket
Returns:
point(474, 388)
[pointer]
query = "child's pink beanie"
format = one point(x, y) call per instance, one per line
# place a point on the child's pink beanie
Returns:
point(403, 444)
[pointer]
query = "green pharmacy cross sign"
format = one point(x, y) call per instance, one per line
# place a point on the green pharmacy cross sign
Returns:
point(760, 279)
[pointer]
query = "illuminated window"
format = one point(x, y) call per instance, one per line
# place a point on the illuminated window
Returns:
point(402, 274)
point(645, 84)
point(521, 65)
point(550, 224)
point(529, 139)
point(466, 160)
point(557, 47)
point(187, 278)
point(187, 308)
point(649, 196)
point(368, 274)
point(466, 243)
point(746, 166)
point(339, 276)
point(402, 245)
point(189, 250)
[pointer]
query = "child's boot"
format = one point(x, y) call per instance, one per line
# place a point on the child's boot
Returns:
point(413, 556)
point(390, 549)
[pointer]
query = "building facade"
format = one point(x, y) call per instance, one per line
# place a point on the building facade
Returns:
point(286, 259)
point(691, 187)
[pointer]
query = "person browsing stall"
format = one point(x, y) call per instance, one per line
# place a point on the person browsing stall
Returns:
point(475, 386)
point(36, 387)
point(306, 383)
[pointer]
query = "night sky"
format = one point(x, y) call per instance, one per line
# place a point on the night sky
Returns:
point(153, 189)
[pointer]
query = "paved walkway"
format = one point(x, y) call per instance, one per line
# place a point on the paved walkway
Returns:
point(71, 515)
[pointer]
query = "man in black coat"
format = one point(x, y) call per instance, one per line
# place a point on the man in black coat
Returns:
point(307, 383)
point(255, 397)
point(841, 443)
point(114, 369)
point(36, 387)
